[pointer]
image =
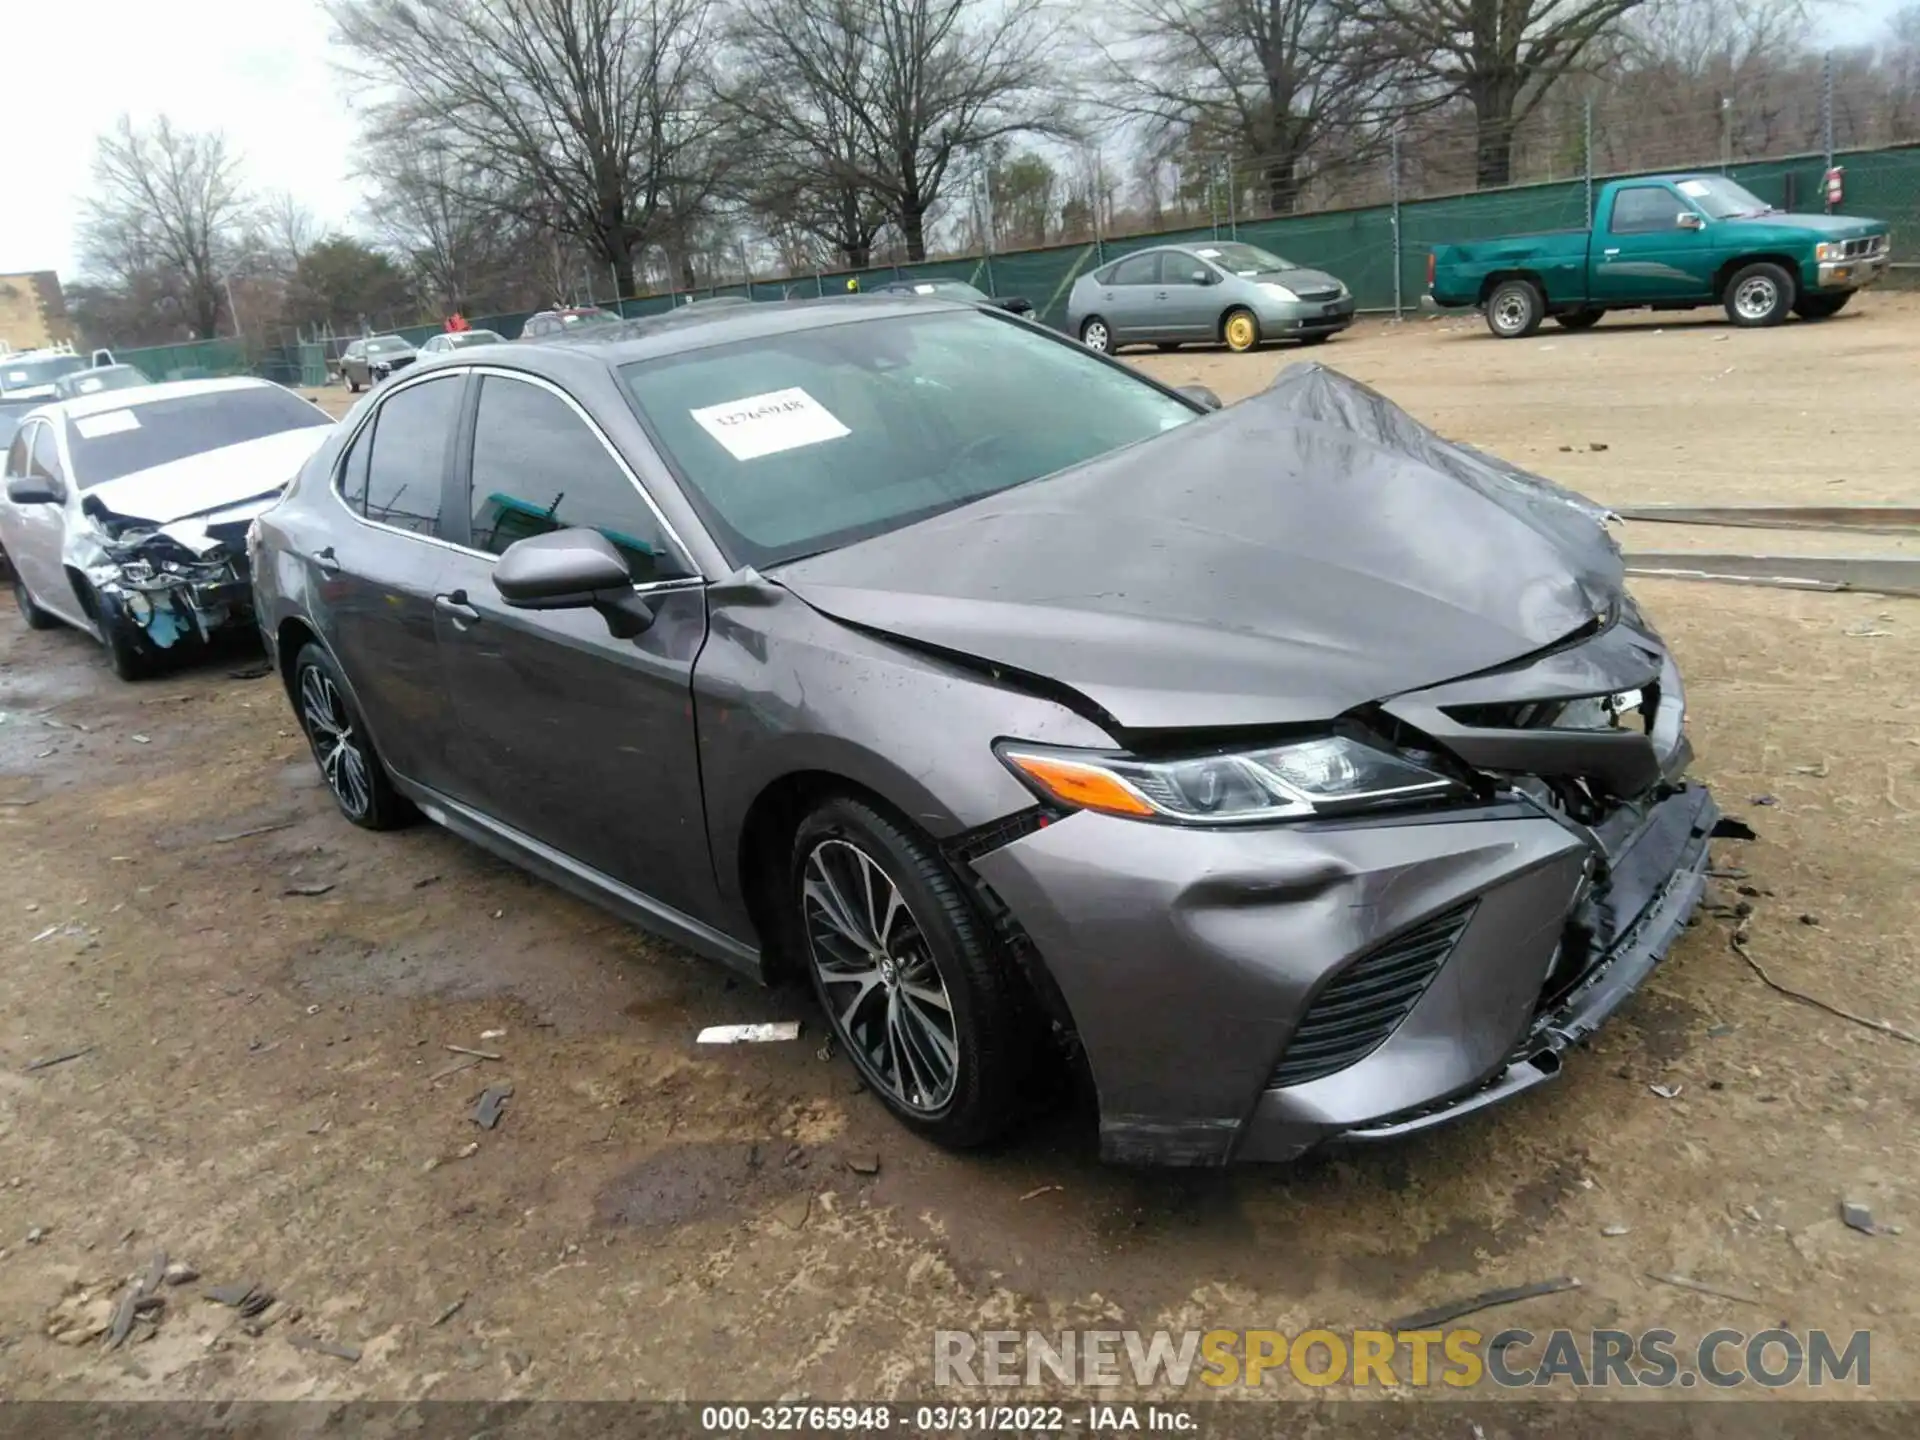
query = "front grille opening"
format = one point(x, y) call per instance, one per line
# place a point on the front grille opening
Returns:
point(1366, 1002)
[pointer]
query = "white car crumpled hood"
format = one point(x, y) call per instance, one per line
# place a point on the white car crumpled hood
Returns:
point(214, 480)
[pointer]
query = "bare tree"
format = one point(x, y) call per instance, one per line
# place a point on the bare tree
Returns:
point(170, 202)
point(442, 215)
point(287, 231)
point(1264, 82)
point(881, 97)
point(1501, 57)
point(584, 113)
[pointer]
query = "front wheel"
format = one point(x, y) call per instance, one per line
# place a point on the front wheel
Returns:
point(1759, 294)
point(341, 746)
point(915, 989)
point(1240, 330)
point(1095, 335)
point(1578, 319)
point(1820, 307)
point(1515, 309)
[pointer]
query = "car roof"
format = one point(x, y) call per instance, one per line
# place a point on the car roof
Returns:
point(695, 328)
point(83, 405)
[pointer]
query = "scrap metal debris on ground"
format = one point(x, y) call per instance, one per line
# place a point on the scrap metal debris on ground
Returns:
point(491, 1105)
point(1487, 1300)
point(748, 1034)
point(1740, 949)
point(1700, 1287)
point(50, 1061)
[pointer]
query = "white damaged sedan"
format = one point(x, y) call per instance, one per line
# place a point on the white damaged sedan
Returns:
point(126, 512)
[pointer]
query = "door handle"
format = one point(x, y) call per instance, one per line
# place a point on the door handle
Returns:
point(456, 606)
point(1159, 294)
point(327, 560)
point(1611, 253)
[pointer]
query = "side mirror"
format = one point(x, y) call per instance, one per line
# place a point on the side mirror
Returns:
point(1200, 395)
point(575, 569)
point(1690, 220)
point(33, 490)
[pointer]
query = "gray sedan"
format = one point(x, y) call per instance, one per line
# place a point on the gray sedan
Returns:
point(1219, 293)
point(1334, 790)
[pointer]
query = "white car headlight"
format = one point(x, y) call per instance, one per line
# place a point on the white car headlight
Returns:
point(1332, 775)
point(1278, 292)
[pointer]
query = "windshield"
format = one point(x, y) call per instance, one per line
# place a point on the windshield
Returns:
point(796, 443)
point(112, 443)
point(386, 345)
point(30, 374)
point(1721, 199)
point(1239, 259)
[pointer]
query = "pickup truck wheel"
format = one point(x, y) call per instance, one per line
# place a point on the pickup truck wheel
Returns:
point(1819, 307)
point(1759, 294)
point(1515, 309)
point(1578, 319)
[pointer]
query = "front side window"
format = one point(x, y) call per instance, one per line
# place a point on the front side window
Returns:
point(794, 443)
point(107, 444)
point(1642, 209)
point(538, 467)
point(1179, 269)
point(408, 457)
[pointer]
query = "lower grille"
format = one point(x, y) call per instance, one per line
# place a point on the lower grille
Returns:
point(1318, 294)
point(1367, 1001)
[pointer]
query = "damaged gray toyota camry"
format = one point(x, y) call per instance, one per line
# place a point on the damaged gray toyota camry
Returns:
point(126, 511)
point(1308, 777)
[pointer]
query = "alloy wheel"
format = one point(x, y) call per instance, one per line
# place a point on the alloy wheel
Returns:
point(878, 978)
point(1095, 336)
point(1756, 297)
point(329, 726)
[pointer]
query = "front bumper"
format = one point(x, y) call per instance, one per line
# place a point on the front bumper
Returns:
point(1280, 320)
point(1198, 966)
point(1852, 274)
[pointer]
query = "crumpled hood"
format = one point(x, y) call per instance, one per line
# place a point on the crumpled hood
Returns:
point(1280, 561)
point(211, 480)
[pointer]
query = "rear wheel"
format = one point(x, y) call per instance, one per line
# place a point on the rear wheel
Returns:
point(1759, 294)
point(1095, 335)
point(1578, 319)
point(1819, 307)
point(1240, 330)
point(911, 981)
point(1515, 309)
point(36, 618)
point(341, 746)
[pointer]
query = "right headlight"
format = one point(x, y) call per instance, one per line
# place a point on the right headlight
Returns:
point(1326, 776)
point(1278, 292)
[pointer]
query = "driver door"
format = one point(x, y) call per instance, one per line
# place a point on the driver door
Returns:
point(1649, 252)
point(568, 735)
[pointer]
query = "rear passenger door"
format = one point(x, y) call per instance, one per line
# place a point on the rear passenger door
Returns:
point(377, 579)
point(568, 735)
point(1127, 300)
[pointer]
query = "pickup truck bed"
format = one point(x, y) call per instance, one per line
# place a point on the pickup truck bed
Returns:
point(1670, 242)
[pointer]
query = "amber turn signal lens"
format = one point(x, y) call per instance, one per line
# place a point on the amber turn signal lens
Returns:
point(1084, 787)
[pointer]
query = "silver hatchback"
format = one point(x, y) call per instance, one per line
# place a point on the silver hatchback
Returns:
point(1225, 292)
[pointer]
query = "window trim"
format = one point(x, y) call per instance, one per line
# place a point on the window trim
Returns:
point(462, 461)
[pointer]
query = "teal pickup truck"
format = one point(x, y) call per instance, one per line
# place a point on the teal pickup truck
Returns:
point(1665, 242)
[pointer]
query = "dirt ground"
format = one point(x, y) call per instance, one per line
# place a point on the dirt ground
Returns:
point(264, 1090)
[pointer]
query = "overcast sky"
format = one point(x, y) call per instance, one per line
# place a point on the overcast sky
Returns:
point(257, 69)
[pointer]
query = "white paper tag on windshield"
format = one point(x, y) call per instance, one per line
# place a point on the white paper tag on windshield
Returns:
point(111, 422)
point(767, 424)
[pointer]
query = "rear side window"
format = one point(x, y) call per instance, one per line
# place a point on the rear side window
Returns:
point(1136, 270)
point(353, 471)
point(538, 467)
point(408, 455)
point(1645, 208)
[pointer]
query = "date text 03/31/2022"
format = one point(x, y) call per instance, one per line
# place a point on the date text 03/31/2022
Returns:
point(1096, 1419)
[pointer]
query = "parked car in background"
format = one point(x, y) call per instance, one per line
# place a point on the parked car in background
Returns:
point(125, 512)
point(545, 324)
point(957, 290)
point(367, 362)
point(1218, 292)
point(1300, 820)
point(450, 340)
point(1666, 242)
point(32, 375)
point(97, 379)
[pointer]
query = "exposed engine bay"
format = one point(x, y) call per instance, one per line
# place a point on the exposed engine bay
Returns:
point(185, 579)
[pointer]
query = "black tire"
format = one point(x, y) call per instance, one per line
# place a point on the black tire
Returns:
point(1759, 294)
point(353, 386)
point(1515, 309)
point(934, 936)
point(132, 656)
point(36, 618)
point(1578, 319)
point(1820, 307)
point(349, 765)
point(1097, 335)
